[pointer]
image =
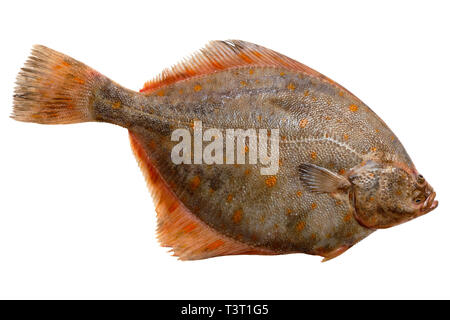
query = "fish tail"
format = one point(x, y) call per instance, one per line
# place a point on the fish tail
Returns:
point(53, 88)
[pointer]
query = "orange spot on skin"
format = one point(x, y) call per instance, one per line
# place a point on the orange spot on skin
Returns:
point(197, 88)
point(306, 93)
point(327, 118)
point(251, 71)
point(341, 93)
point(373, 149)
point(180, 91)
point(347, 217)
point(313, 236)
point(271, 181)
point(339, 202)
point(303, 123)
point(247, 171)
point(160, 93)
point(237, 216)
point(353, 107)
point(243, 83)
point(399, 192)
point(283, 138)
point(214, 245)
point(262, 219)
point(229, 198)
point(291, 86)
point(289, 211)
point(259, 118)
point(342, 171)
point(392, 138)
point(346, 137)
point(116, 105)
point(299, 193)
point(300, 226)
point(195, 182)
point(211, 190)
point(313, 205)
point(371, 199)
point(282, 73)
point(246, 149)
point(313, 155)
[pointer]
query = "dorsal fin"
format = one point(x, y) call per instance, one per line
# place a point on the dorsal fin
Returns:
point(189, 237)
point(221, 55)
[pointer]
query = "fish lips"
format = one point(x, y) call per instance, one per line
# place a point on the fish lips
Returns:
point(429, 204)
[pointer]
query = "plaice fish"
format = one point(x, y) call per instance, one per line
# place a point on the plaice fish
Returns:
point(340, 172)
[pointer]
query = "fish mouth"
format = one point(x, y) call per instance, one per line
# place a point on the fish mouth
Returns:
point(429, 204)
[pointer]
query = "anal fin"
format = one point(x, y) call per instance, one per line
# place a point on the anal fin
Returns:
point(189, 237)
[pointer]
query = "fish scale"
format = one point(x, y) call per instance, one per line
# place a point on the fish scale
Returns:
point(341, 175)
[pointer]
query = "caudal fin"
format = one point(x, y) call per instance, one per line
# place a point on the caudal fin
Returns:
point(53, 88)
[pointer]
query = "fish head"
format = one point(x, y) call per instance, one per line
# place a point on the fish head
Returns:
point(385, 195)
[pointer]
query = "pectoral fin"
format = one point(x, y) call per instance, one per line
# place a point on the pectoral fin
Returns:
point(319, 179)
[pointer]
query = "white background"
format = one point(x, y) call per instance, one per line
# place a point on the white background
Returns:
point(76, 219)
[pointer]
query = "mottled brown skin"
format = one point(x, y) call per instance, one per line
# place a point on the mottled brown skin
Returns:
point(320, 124)
point(338, 132)
point(387, 195)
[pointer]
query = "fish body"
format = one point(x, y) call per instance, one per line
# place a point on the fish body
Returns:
point(340, 173)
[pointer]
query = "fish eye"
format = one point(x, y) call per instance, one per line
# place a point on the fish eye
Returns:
point(420, 179)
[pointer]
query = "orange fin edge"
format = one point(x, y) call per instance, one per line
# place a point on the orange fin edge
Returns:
point(222, 55)
point(189, 237)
